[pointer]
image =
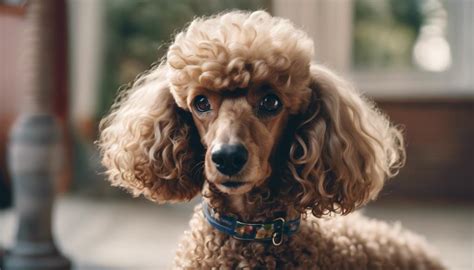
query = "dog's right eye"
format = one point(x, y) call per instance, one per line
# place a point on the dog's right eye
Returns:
point(201, 103)
point(269, 105)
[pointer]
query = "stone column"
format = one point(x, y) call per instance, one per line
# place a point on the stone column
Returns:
point(34, 147)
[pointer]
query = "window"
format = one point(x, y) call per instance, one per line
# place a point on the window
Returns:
point(400, 35)
point(392, 48)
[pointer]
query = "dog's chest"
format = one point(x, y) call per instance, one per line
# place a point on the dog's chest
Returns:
point(204, 247)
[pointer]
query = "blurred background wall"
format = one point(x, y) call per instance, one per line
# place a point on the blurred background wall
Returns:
point(11, 23)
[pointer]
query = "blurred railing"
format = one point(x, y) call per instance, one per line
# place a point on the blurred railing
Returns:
point(34, 146)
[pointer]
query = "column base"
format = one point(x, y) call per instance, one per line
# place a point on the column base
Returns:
point(47, 262)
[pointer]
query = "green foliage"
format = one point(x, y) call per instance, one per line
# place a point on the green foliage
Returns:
point(138, 31)
point(385, 32)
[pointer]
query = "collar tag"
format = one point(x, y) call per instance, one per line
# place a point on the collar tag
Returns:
point(277, 236)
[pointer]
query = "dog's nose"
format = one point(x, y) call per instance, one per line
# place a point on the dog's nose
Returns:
point(229, 158)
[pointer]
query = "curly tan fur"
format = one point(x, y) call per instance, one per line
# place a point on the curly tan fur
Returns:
point(326, 152)
point(348, 242)
point(145, 143)
point(344, 148)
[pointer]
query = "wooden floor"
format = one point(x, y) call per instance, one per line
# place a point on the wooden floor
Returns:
point(125, 234)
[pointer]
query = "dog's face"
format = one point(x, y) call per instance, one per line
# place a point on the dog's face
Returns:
point(240, 76)
point(239, 129)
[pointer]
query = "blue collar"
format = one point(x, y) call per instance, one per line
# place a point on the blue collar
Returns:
point(271, 231)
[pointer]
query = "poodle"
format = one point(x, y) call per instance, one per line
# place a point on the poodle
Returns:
point(282, 151)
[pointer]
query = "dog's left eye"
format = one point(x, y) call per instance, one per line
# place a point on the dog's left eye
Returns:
point(201, 103)
point(270, 104)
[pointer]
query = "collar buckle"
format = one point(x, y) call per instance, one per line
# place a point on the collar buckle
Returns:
point(277, 236)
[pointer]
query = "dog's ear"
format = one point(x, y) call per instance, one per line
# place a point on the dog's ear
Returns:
point(343, 149)
point(149, 145)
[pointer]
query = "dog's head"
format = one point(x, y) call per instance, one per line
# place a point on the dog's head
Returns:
point(236, 94)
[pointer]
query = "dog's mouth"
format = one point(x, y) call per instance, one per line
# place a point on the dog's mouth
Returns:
point(233, 184)
point(234, 187)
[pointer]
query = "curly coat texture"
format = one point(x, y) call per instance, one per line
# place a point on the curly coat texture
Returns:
point(346, 242)
point(330, 150)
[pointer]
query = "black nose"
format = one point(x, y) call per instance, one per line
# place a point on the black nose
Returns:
point(229, 158)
